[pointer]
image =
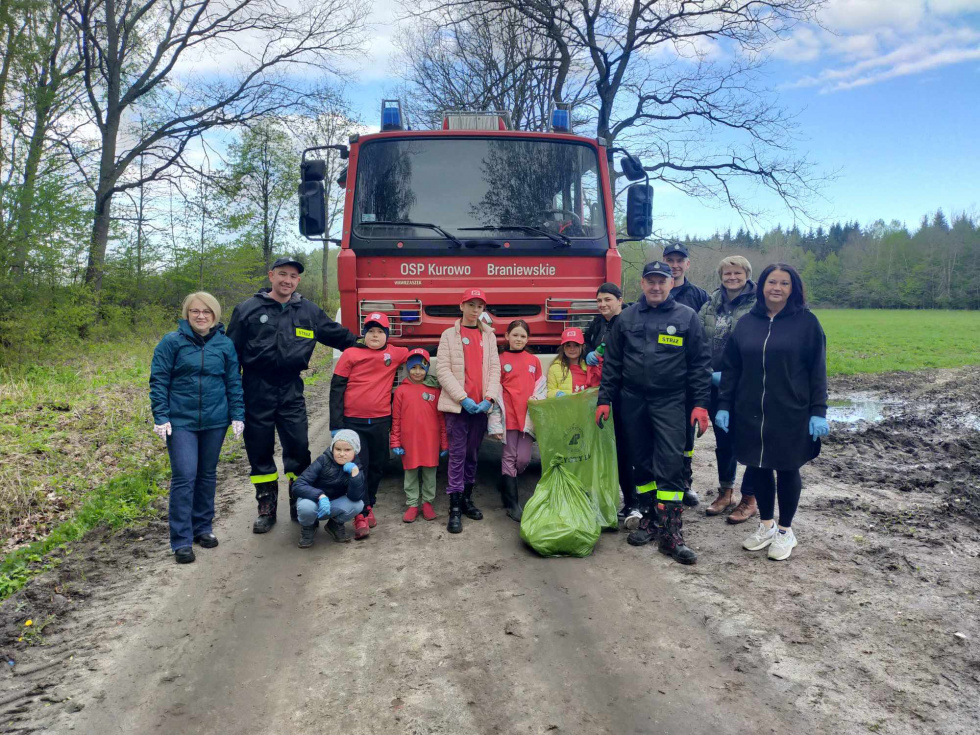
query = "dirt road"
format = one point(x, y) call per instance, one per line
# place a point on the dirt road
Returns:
point(872, 626)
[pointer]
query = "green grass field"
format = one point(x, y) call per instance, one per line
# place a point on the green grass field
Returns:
point(883, 340)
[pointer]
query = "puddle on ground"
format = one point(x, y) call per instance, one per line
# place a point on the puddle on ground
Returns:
point(856, 409)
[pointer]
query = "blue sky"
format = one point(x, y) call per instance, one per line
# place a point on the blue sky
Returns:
point(887, 94)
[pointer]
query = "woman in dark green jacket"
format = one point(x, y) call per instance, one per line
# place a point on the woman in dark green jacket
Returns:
point(195, 393)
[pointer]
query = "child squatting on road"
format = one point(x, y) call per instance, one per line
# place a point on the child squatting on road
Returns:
point(418, 435)
point(331, 488)
point(469, 373)
point(360, 399)
point(521, 380)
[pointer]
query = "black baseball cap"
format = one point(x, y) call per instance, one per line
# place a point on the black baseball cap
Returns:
point(287, 261)
point(656, 268)
point(676, 247)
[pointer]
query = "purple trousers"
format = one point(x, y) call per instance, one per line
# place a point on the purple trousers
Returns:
point(517, 453)
point(465, 432)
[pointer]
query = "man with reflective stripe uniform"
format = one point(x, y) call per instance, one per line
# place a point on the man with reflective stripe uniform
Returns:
point(685, 292)
point(274, 333)
point(657, 362)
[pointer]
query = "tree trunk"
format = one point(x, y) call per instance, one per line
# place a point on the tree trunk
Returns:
point(100, 239)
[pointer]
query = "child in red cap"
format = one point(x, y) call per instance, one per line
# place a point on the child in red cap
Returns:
point(418, 435)
point(360, 399)
point(569, 373)
point(469, 373)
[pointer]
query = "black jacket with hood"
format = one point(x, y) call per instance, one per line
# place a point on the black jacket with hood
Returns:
point(774, 378)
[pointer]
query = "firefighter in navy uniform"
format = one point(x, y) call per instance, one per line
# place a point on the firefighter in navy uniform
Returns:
point(274, 333)
point(685, 292)
point(657, 363)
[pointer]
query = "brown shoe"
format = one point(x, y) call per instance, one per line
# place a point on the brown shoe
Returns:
point(723, 503)
point(745, 510)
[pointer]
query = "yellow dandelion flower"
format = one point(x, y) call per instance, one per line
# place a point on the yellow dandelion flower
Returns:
point(29, 623)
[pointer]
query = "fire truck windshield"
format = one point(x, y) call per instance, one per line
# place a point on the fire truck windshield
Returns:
point(484, 188)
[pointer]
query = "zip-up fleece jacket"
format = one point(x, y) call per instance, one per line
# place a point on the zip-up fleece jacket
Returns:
point(719, 316)
point(277, 340)
point(774, 378)
point(326, 477)
point(194, 381)
point(656, 350)
point(689, 295)
point(450, 369)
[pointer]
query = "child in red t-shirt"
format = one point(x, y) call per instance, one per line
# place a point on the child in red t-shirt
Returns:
point(520, 379)
point(360, 399)
point(569, 373)
point(418, 435)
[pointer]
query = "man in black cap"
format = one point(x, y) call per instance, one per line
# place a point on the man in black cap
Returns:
point(656, 363)
point(685, 292)
point(274, 333)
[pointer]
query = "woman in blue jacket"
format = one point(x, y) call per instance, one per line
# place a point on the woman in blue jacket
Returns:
point(195, 393)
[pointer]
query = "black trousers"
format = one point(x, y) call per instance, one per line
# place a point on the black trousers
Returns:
point(725, 449)
point(623, 458)
point(688, 448)
point(656, 438)
point(375, 436)
point(786, 485)
point(273, 405)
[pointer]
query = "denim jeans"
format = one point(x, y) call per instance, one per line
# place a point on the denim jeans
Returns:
point(342, 510)
point(193, 469)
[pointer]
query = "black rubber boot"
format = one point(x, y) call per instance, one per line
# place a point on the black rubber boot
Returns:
point(508, 494)
point(671, 535)
point(306, 534)
point(691, 498)
point(455, 524)
point(646, 532)
point(292, 504)
point(267, 493)
point(470, 510)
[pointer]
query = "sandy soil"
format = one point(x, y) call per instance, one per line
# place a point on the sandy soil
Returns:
point(872, 626)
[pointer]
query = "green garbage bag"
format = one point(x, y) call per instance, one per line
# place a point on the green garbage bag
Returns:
point(566, 426)
point(559, 519)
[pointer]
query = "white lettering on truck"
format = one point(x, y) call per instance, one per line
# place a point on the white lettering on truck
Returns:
point(541, 269)
point(432, 269)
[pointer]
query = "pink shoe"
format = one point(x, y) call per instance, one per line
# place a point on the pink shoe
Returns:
point(428, 512)
point(360, 527)
point(411, 514)
point(371, 520)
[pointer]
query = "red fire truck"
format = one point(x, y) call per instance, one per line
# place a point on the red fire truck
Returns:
point(526, 216)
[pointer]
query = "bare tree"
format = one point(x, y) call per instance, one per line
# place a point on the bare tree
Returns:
point(188, 66)
point(462, 59)
point(678, 81)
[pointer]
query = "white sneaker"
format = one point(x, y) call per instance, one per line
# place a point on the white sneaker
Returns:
point(782, 545)
point(760, 539)
point(632, 521)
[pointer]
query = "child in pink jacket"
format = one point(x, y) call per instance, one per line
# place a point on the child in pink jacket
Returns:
point(469, 373)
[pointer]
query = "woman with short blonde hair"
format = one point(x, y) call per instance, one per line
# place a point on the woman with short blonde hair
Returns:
point(737, 261)
point(195, 393)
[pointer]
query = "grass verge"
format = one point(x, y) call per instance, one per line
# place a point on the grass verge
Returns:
point(886, 340)
point(124, 500)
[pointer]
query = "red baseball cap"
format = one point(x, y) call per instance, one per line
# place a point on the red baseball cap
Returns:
point(572, 335)
point(379, 318)
point(474, 293)
point(424, 354)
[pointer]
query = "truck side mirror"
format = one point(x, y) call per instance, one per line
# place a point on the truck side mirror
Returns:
point(632, 167)
point(639, 211)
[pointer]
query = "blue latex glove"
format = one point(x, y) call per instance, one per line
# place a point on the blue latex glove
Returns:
point(323, 508)
point(349, 467)
point(469, 405)
point(444, 453)
point(559, 393)
point(399, 451)
point(716, 379)
point(592, 359)
point(721, 420)
point(484, 406)
point(818, 427)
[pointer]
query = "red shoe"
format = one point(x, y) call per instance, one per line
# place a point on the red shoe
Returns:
point(428, 512)
point(360, 527)
point(411, 514)
point(372, 521)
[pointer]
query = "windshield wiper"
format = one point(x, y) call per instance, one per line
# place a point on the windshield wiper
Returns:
point(428, 225)
point(562, 240)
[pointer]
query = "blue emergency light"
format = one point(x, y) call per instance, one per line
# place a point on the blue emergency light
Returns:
point(561, 120)
point(409, 316)
point(391, 115)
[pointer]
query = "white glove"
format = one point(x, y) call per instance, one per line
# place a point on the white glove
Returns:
point(237, 427)
point(162, 430)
